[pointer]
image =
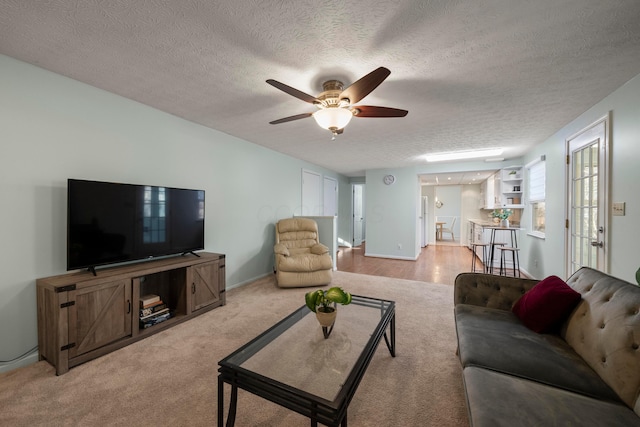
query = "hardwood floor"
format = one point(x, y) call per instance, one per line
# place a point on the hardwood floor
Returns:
point(436, 263)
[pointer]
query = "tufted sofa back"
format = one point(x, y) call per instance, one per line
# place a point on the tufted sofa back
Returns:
point(604, 329)
point(297, 234)
point(489, 290)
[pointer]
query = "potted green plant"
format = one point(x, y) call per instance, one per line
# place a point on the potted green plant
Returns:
point(503, 214)
point(323, 303)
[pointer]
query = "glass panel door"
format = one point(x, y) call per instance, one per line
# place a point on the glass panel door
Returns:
point(587, 153)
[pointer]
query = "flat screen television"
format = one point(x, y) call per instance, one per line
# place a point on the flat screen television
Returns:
point(113, 223)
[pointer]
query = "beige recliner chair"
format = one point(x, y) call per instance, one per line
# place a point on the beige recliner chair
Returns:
point(300, 259)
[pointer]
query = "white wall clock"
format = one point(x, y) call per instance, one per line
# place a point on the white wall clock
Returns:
point(389, 179)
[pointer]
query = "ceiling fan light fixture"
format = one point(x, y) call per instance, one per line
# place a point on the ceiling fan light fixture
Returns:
point(333, 118)
point(335, 102)
point(464, 155)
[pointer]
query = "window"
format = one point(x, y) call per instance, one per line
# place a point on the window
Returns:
point(537, 195)
point(154, 215)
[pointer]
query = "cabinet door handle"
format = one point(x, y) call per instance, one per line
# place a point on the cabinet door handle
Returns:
point(128, 306)
point(193, 288)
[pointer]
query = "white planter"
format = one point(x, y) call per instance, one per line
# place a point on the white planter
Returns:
point(326, 319)
point(504, 223)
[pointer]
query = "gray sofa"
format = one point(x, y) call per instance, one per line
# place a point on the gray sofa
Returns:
point(588, 374)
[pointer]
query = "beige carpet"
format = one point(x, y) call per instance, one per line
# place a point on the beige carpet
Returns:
point(171, 378)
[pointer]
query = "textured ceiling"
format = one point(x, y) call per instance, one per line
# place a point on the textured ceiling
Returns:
point(472, 74)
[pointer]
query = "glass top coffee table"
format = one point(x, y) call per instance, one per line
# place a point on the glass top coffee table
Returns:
point(293, 365)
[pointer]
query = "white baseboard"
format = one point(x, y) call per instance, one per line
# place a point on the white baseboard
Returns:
point(523, 271)
point(246, 282)
point(29, 359)
point(406, 258)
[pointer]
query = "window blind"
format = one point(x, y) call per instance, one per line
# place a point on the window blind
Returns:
point(537, 175)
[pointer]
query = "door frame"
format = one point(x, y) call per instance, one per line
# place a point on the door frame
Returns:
point(604, 182)
point(353, 214)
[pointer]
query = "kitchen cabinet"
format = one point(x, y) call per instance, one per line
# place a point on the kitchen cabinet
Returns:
point(490, 192)
point(475, 233)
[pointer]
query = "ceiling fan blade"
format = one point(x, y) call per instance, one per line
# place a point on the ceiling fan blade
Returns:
point(291, 118)
point(371, 111)
point(365, 85)
point(293, 92)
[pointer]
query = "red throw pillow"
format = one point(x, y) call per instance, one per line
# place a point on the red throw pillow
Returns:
point(546, 305)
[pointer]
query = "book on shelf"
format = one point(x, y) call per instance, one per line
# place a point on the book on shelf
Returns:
point(152, 309)
point(149, 300)
point(154, 320)
point(157, 313)
point(153, 304)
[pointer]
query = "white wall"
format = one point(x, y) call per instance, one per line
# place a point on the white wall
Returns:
point(624, 232)
point(391, 210)
point(451, 198)
point(53, 128)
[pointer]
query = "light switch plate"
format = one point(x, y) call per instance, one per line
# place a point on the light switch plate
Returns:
point(618, 209)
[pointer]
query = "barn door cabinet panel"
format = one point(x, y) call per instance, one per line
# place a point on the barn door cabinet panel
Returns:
point(205, 282)
point(82, 316)
point(100, 315)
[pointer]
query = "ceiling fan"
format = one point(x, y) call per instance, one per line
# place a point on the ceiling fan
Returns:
point(335, 104)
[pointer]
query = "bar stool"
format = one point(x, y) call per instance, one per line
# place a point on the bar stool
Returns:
point(492, 250)
point(515, 258)
point(485, 255)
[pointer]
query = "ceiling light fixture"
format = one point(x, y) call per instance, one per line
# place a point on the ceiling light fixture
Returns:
point(333, 118)
point(336, 104)
point(463, 155)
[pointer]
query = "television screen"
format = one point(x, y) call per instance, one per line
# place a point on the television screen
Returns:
point(110, 222)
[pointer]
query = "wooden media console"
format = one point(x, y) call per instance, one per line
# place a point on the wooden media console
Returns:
point(82, 316)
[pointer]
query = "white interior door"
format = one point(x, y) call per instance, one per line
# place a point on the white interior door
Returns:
point(330, 197)
point(358, 214)
point(311, 194)
point(587, 154)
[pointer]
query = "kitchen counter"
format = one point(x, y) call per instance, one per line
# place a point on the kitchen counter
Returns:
point(484, 231)
point(490, 223)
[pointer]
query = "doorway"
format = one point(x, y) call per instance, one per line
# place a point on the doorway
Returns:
point(447, 212)
point(588, 201)
point(358, 214)
point(468, 196)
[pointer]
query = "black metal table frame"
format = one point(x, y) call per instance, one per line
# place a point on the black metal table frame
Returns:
point(492, 244)
point(319, 410)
